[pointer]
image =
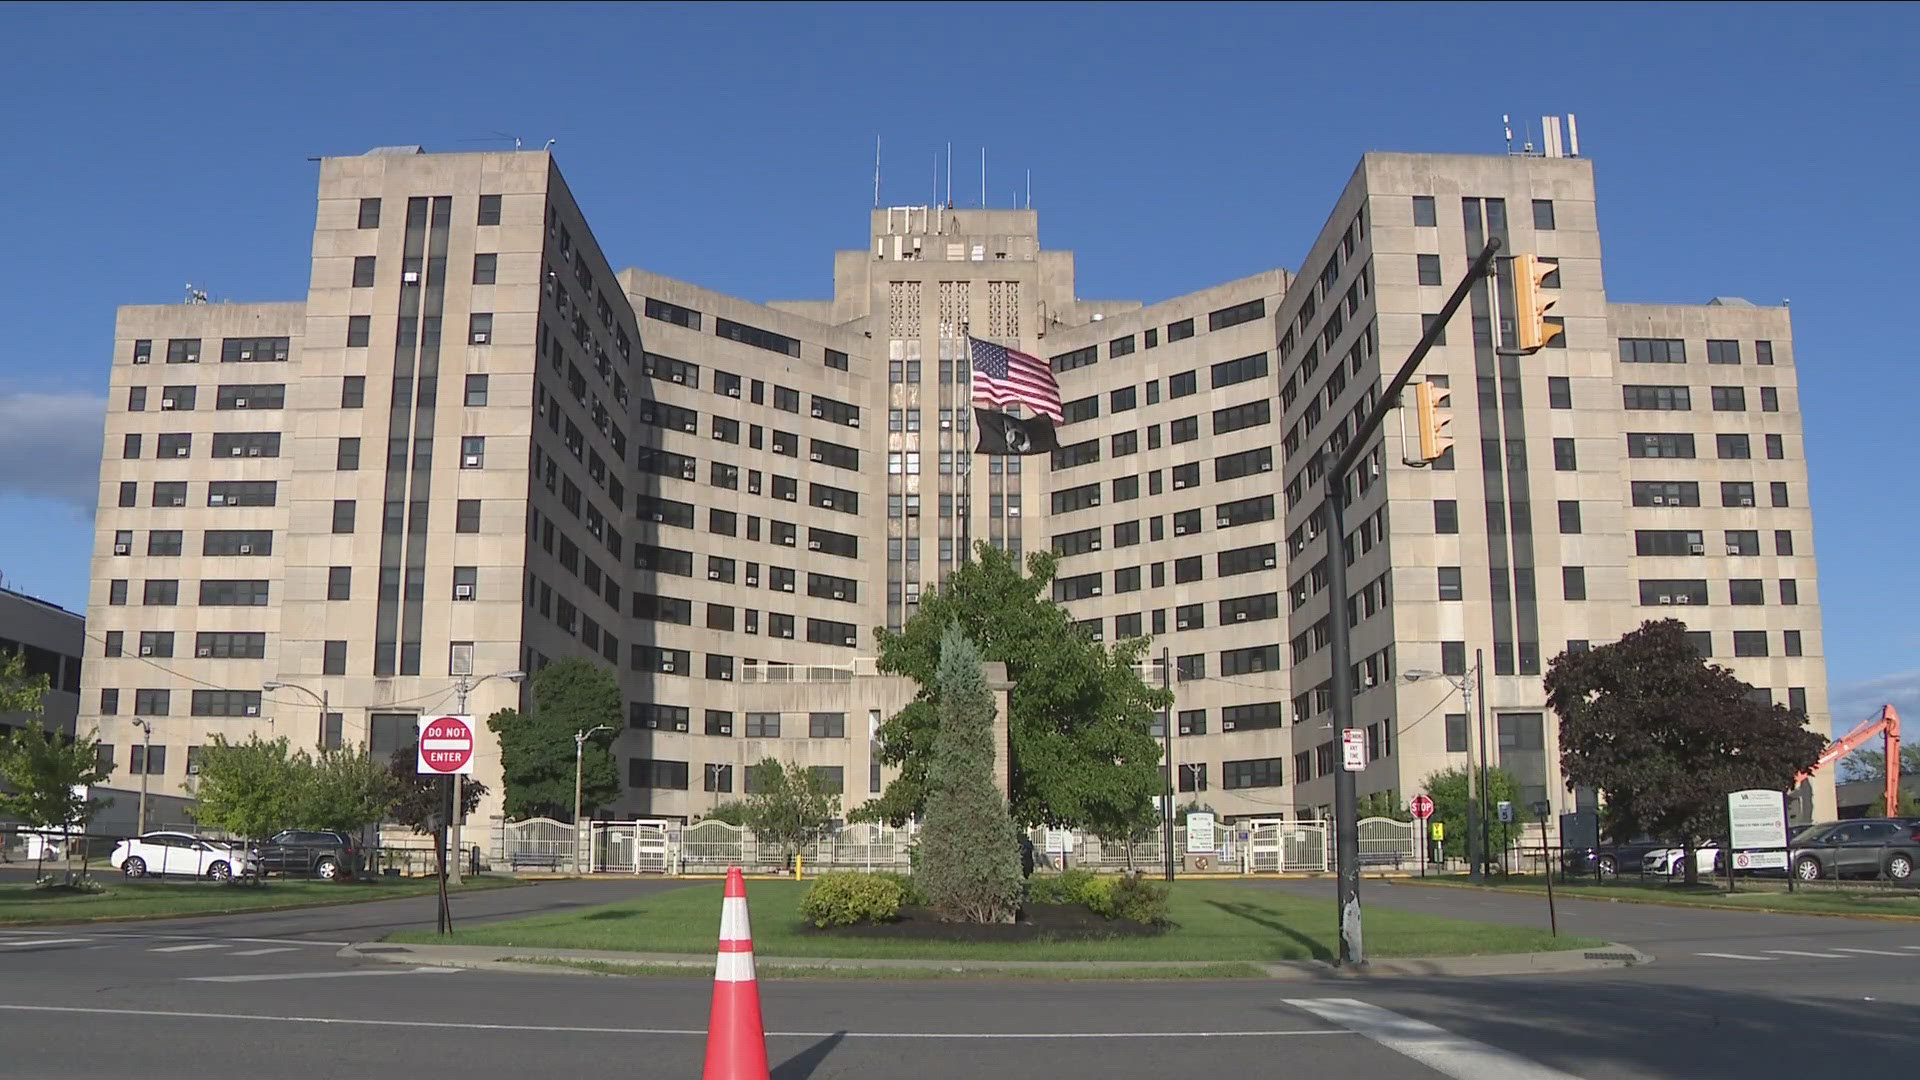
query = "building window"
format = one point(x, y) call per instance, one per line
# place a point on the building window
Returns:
point(334, 660)
point(1453, 658)
point(826, 725)
point(1569, 517)
point(1790, 643)
point(1543, 214)
point(1565, 459)
point(1783, 541)
point(369, 213)
point(1749, 643)
point(1449, 582)
point(1657, 398)
point(1250, 773)
point(1789, 592)
point(1763, 353)
point(339, 582)
point(1723, 352)
point(476, 390)
point(489, 210)
point(485, 268)
point(1559, 392)
point(1573, 582)
point(1423, 211)
point(1429, 269)
point(473, 451)
point(1446, 516)
point(1653, 351)
point(1659, 444)
point(353, 391)
point(162, 593)
point(359, 331)
point(1179, 331)
point(1736, 493)
point(466, 579)
point(763, 725)
point(479, 327)
point(1778, 489)
point(362, 271)
point(342, 516)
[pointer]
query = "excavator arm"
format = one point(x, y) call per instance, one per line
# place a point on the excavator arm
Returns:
point(1886, 725)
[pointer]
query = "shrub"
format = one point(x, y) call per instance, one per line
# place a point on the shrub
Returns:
point(910, 894)
point(1066, 887)
point(1136, 899)
point(844, 899)
point(1098, 896)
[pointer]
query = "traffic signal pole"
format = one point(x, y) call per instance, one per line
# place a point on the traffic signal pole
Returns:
point(1345, 802)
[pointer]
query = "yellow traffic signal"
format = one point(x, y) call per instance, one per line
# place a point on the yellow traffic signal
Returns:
point(1434, 408)
point(1530, 305)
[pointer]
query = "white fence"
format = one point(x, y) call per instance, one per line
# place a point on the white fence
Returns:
point(711, 846)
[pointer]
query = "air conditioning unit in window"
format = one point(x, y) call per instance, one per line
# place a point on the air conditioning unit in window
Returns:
point(471, 461)
point(253, 710)
point(853, 641)
point(666, 665)
point(1748, 501)
point(1223, 522)
point(122, 549)
point(205, 650)
point(245, 355)
point(411, 277)
point(853, 421)
point(479, 339)
point(1659, 500)
point(1239, 616)
point(1268, 561)
point(463, 592)
point(1683, 598)
point(252, 451)
point(1179, 530)
point(787, 540)
point(787, 633)
point(690, 426)
point(1266, 466)
point(1701, 549)
point(659, 516)
point(246, 549)
point(146, 650)
point(1095, 591)
point(787, 587)
point(181, 500)
point(813, 545)
point(817, 412)
point(1666, 599)
point(214, 500)
point(1180, 624)
point(166, 403)
point(839, 594)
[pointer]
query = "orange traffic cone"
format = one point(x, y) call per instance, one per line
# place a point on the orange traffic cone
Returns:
point(736, 1038)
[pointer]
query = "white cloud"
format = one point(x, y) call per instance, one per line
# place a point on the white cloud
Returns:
point(1859, 701)
point(50, 447)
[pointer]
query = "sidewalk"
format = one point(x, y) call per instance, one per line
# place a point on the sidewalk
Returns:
point(511, 958)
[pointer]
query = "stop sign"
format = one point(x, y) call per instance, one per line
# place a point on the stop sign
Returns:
point(446, 745)
point(1422, 807)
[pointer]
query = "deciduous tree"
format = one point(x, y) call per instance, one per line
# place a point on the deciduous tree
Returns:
point(253, 789)
point(417, 800)
point(50, 775)
point(343, 790)
point(536, 748)
point(1665, 736)
point(1449, 789)
point(790, 806)
point(969, 847)
point(1082, 754)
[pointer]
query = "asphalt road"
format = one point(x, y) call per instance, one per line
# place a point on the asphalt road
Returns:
point(190, 998)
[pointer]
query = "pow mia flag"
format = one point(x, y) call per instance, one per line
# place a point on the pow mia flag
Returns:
point(1002, 435)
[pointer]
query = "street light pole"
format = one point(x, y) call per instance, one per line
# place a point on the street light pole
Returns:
point(1480, 682)
point(1465, 684)
point(1166, 734)
point(455, 818)
point(146, 766)
point(579, 755)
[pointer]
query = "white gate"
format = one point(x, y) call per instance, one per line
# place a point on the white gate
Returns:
point(537, 843)
point(1386, 843)
point(1276, 846)
point(633, 847)
point(867, 846)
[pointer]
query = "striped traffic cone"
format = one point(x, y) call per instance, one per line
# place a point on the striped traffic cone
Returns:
point(736, 1038)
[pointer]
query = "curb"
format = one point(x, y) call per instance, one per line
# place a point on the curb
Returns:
point(219, 912)
point(1648, 901)
point(1612, 955)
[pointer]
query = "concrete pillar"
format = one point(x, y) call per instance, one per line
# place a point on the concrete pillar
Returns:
point(1002, 688)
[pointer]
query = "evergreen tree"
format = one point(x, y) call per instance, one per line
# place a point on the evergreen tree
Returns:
point(969, 846)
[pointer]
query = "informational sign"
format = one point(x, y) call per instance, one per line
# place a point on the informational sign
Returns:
point(1758, 819)
point(1200, 840)
point(446, 745)
point(1422, 807)
point(1505, 809)
point(1759, 860)
point(1439, 830)
point(1353, 749)
point(1059, 841)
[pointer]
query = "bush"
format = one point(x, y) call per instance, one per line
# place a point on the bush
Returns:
point(1066, 887)
point(844, 899)
point(910, 894)
point(1136, 899)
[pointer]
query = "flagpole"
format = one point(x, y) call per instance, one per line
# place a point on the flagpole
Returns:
point(966, 476)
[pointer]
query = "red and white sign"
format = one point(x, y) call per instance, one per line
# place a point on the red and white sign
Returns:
point(1353, 749)
point(446, 745)
point(1422, 807)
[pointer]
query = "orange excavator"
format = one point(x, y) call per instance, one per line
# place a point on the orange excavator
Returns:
point(1887, 725)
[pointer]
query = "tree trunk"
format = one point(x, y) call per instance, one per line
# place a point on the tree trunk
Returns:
point(1693, 868)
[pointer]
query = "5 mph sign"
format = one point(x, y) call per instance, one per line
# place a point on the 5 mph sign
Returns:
point(446, 745)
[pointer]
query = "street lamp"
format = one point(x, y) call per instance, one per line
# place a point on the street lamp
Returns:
point(321, 697)
point(1466, 682)
point(579, 756)
point(465, 686)
point(146, 766)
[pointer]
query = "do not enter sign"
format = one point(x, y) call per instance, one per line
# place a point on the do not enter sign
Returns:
point(446, 745)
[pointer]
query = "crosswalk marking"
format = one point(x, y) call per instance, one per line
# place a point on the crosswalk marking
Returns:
point(264, 952)
point(1735, 956)
point(1434, 1047)
point(44, 941)
point(190, 948)
point(1868, 952)
point(1815, 955)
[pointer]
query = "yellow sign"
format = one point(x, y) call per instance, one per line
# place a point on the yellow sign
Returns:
point(1439, 830)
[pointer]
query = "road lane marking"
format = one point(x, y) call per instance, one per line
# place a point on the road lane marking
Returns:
point(1436, 1048)
point(190, 948)
point(1815, 955)
point(44, 941)
point(1735, 956)
point(1869, 952)
point(701, 1033)
point(288, 976)
point(1915, 948)
point(264, 952)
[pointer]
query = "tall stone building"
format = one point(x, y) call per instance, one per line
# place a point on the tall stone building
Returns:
point(477, 447)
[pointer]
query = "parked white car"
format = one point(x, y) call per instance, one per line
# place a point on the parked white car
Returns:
point(1672, 861)
point(180, 854)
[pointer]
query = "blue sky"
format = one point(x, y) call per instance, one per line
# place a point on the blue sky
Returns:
point(1739, 151)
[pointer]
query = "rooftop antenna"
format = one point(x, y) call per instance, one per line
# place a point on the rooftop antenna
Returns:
point(195, 296)
point(1527, 147)
point(949, 174)
point(983, 177)
point(1573, 138)
point(1506, 124)
point(876, 172)
point(1029, 189)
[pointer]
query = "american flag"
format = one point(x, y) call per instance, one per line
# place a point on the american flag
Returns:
point(1003, 376)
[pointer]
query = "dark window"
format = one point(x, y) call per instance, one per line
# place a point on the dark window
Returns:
point(1543, 214)
point(234, 593)
point(1179, 331)
point(1778, 489)
point(476, 390)
point(362, 271)
point(1429, 269)
point(1749, 643)
point(1179, 386)
point(1653, 351)
point(1789, 592)
point(657, 775)
point(1190, 568)
point(1244, 463)
point(1449, 582)
point(1565, 458)
point(1659, 444)
point(1453, 657)
point(161, 593)
point(1763, 353)
point(1782, 541)
point(756, 337)
point(1569, 516)
point(1185, 429)
point(1666, 493)
point(1660, 592)
point(1790, 645)
point(353, 391)
point(1250, 773)
point(342, 516)
point(1559, 392)
point(1723, 352)
point(1733, 447)
point(1573, 582)
point(1423, 211)
point(340, 583)
point(359, 331)
point(369, 213)
point(1237, 314)
point(1446, 516)
point(489, 210)
point(1729, 399)
point(1237, 417)
point(1659, 398)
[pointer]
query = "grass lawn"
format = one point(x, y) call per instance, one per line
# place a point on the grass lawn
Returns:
point(1824, 899)
point(1214, 920)
point(24, 904)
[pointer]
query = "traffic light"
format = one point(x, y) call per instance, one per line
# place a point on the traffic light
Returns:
point(1530, 304)
point(1434, 408)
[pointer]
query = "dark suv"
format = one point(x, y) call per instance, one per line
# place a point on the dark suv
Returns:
point(1609, 859)
point(296, 853)
point(1860, 847)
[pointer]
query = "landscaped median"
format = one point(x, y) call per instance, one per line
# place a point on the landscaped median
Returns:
point(120, 899)
point(1819, 898)
point(1213, 923)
